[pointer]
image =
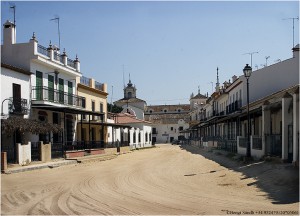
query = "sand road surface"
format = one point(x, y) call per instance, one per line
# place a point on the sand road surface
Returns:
point(164, 180)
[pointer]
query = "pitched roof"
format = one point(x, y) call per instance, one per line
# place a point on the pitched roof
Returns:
point(199, 96)
point(160, 108)
point(126, 118)
point(130, 100)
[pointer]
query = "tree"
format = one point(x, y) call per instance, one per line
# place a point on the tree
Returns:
point(114, 108)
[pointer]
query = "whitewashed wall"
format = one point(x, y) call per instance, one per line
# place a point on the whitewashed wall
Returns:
point(8, 77)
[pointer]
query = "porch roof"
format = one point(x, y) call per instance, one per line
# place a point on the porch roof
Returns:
point(67, 110)
point(106, 124)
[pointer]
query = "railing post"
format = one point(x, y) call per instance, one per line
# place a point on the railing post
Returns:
point(50, 52)
point(64, 58)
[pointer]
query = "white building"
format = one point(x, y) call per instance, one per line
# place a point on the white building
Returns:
point(274, 112)
point(53, 97)
point(130, 103)
point(127, 129)
point(15, 99)
point(168, 121)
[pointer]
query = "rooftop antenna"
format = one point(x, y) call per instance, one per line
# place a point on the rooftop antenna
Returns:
point(198, 89)
point(217, 84)
point(267, 60)
point(293, 18)
point(250, 53)
point(56, 18)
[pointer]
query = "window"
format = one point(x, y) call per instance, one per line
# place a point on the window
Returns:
point(180, 128)
point(150, 111)
point(83, 102)
point(171, 128)
point(93, 106)
point(101, 107)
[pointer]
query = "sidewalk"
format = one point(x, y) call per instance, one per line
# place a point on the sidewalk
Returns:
point(16, 168)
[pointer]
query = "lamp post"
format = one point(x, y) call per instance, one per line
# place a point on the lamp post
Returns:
point(2, 114)
point(247, 72)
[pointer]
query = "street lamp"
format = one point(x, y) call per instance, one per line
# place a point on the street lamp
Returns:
point(247, 72)
point(2, 114)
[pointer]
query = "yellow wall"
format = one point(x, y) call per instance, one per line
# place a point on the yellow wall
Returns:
point(98, 97)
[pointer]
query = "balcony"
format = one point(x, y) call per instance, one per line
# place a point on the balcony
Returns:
point(18, 106)
point(42, 93)
point(55, 55)
point(91, 83)
point(98, 86)
point(85, 81)
point(233, 107)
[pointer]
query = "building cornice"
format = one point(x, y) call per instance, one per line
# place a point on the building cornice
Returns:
point(16, 69)
point(97, 91)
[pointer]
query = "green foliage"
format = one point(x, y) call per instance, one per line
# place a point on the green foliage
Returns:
point(114, 108)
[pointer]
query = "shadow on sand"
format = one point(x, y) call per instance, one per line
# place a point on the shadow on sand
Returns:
point(280, 181)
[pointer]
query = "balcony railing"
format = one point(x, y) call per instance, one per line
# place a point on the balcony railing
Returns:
point(42, 93)
point(85, 81)
point(18, 106)
point(70, 63)
point(58, 57)
point(42, 50)
point(99, 86)
point(233, 107)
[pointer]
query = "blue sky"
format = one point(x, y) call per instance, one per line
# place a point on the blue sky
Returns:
point(169, 48)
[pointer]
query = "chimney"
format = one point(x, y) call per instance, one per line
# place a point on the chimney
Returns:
point(9, 33)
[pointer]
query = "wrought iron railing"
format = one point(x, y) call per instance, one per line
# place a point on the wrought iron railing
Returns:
point(70, 63)
point(243, 142)
point(273, 144)
point(42, 50)
point(85, 81)
point(18, 106)
point(257, 143)
point(99, 85)
point(35, 151)
point(58, 57)
point(42, 93)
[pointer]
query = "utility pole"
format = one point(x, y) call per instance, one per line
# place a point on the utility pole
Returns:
point(293, 18)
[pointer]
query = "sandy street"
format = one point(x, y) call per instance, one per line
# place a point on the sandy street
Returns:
point(159, 181)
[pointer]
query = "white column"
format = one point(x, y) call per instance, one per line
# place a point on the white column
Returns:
point(286, 120)
point(266, 120)
point(296, 125)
